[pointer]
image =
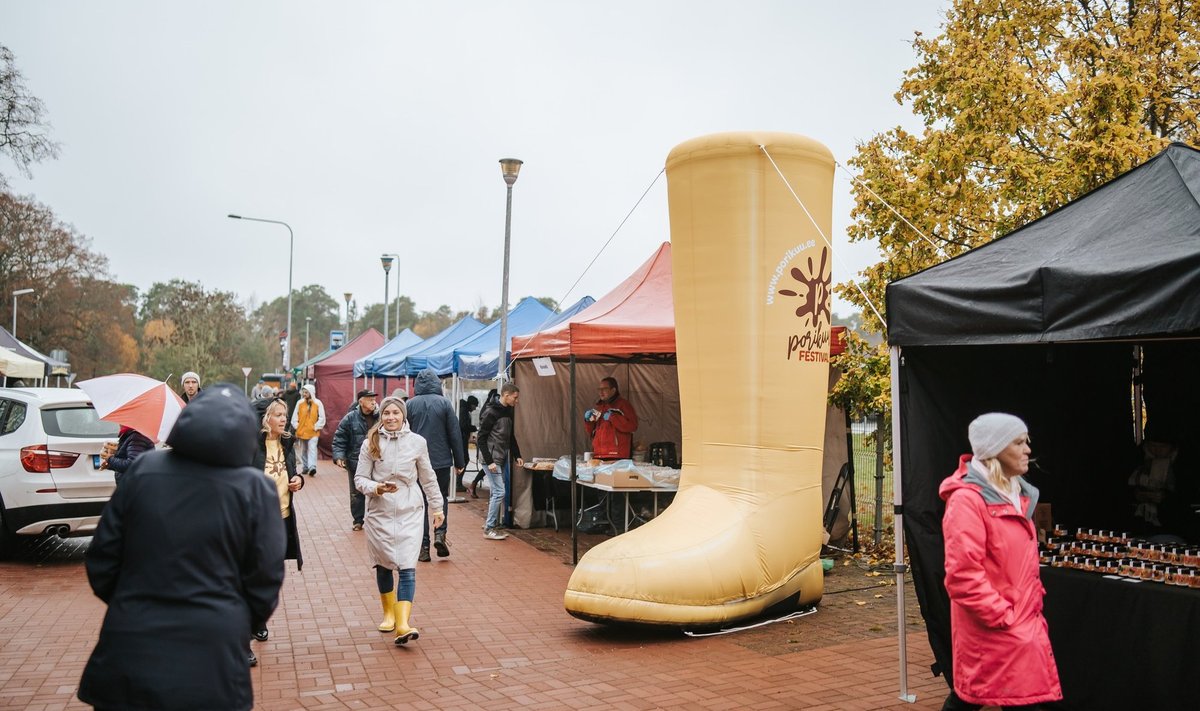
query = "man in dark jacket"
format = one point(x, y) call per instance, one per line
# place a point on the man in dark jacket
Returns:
point(498, 442)
point(189, 558)
point(347, 442)
point(431, 415)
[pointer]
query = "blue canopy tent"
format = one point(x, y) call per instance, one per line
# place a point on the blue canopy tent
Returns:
point(394, 348)
point(526, 317)
point(412, 361)
point(485, 364)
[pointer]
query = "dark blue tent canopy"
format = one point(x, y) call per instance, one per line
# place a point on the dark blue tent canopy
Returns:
point(485, 365)
point(412, 361)
point(526, 317)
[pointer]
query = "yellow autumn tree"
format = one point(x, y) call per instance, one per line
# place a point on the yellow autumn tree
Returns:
point(1027, 104)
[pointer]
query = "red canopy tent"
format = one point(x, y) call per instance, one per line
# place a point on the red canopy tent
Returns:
point(335, 383)
point(635, 318)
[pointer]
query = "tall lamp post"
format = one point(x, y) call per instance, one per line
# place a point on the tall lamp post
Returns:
point(348, 296)
point(386, 260)
point(287, 346)
point(18, 292)
point(390, 257)
point(509, 167)
point(307, 323)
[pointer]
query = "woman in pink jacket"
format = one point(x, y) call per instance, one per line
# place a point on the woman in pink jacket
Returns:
point(1001, 646)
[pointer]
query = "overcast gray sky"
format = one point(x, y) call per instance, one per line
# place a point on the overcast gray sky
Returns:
point(377, 126)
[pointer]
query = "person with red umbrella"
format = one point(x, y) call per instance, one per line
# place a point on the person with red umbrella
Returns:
point(130, 445)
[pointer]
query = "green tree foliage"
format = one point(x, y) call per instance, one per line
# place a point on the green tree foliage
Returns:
point(76, 306)
point(1027, 104)
point(269, 320)
point(432, 323)
point(372, 316)
point(185, 327)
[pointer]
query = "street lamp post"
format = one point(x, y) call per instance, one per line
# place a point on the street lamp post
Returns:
point(386, 260)
point(18, 292)
point(390, 257)
point(307, 323)
point(509, 167)
point(348, 296)
point(287, 346)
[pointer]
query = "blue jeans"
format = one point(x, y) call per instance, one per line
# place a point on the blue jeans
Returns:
point(408, 582)
point(496, 482)
point(443, 480)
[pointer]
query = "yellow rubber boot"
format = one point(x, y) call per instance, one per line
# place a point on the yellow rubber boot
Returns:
point(404, 633)
point(388, 601)
point(751, 275)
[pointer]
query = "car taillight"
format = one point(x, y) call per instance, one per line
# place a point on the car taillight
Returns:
point(40, 459)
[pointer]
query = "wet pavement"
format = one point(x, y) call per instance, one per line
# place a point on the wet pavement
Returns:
point(493, 633)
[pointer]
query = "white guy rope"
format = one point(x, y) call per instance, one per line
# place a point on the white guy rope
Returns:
point(819, 230)
point(888, 205)
point(589, 264)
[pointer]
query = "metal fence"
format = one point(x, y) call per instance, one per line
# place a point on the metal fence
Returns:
point(872, 482)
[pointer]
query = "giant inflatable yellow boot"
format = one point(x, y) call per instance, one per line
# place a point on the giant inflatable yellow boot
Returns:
point(751, 278)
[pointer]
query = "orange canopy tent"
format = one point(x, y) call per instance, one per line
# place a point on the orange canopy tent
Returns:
point(635, 318)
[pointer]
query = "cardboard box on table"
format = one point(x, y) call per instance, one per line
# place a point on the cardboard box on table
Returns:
point(623, 479)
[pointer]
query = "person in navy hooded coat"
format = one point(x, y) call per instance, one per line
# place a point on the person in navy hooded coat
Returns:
point(189, 557)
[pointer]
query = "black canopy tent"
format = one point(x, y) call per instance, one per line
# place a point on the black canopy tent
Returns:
point(1059, 322)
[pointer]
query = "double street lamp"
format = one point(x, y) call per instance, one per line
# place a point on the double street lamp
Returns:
point(509, 168)
point(287, 344)
point(18, 292)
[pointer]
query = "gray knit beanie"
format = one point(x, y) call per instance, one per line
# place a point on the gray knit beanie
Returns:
point(991, 433)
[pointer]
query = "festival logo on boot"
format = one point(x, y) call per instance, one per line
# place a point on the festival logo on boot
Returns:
point(809, 341)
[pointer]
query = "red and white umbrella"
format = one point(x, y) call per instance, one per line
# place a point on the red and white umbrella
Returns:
point(145, 404)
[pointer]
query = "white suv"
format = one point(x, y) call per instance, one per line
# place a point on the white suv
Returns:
point(50, 475)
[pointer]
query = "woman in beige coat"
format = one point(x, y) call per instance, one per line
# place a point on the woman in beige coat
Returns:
point(392, 464)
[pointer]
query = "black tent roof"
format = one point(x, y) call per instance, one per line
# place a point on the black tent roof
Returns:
point(1121, 261)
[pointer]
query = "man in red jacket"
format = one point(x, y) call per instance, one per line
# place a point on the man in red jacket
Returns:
point(611, 423)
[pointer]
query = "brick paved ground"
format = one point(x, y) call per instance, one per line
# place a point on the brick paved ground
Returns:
point(493, 634)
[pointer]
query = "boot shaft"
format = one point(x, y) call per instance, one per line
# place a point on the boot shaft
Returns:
point(751, 276)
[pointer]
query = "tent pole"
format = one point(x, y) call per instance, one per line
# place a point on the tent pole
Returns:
point(457, 402)
point(574, 486)
point(1138, 433)
point(853, 479)
point(898, 525)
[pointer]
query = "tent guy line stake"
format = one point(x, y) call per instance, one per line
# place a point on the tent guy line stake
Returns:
point(821, 232)
point(602, 248)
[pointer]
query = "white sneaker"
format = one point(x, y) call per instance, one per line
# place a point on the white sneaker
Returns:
point(494, 535)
